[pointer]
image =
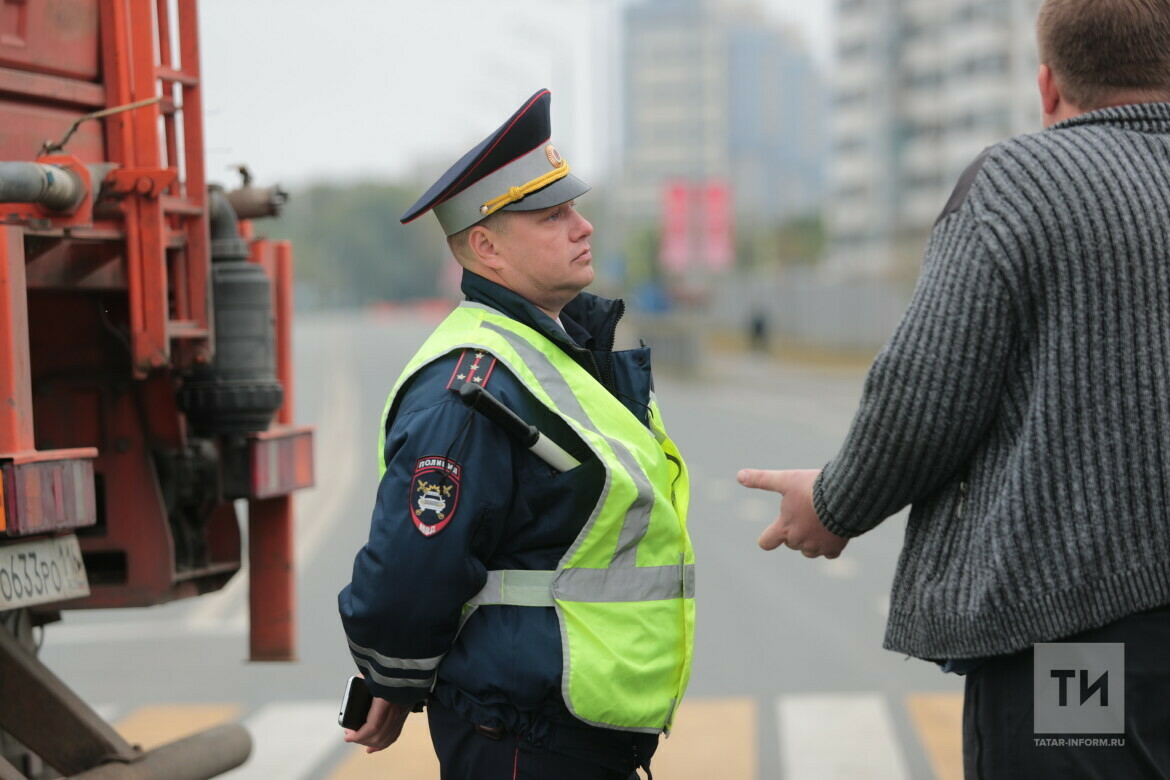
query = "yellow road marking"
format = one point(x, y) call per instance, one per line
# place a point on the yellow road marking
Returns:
point(410, 758)
point(159, 724)
point(938, 719)
point(711, 738)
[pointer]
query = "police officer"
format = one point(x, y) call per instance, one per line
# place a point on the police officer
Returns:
point(545, 615)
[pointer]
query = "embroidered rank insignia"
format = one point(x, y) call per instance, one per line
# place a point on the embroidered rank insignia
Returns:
point(434, 493)
point(474, 365)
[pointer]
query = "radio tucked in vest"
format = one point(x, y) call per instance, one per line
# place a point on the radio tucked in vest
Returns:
point(624, 592)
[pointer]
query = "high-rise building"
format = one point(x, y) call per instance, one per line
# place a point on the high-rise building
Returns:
point(920, 88)
point(716, 90)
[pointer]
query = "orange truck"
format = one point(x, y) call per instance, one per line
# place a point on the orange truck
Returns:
point(145, 369)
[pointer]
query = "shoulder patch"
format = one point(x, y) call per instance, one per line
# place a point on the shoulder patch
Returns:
point(474, 365)
point(434, 493)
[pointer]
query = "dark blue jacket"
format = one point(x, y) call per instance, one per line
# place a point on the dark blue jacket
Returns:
point(506, 510)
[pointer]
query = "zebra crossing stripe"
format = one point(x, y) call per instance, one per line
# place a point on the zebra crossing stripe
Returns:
point(289, 739)
point(811, 728)
point(711, 738)
point(938, 720)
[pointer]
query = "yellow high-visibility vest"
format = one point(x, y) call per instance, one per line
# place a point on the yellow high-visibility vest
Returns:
point(624, 592)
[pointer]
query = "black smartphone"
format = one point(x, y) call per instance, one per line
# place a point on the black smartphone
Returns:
point(355, 704)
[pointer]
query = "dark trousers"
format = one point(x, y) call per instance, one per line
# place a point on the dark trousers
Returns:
point(999, 742)
point(468, 754)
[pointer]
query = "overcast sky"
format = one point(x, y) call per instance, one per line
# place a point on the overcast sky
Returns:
point(302, 90)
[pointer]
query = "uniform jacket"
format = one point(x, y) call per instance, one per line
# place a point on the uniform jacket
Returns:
point(510, 511)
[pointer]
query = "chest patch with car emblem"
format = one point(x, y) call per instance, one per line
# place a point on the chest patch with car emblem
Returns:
point(434, 493)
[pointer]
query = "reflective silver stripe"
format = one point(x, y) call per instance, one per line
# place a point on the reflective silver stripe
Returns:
point(637, 519)
point(670, 715)
point(394, 682)
point(516, 586)
point(637, 522)
point(538, 588)
point(642, 583)
point(414, 664)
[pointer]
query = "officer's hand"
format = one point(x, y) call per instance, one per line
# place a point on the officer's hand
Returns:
point(382, 727)
point(798, 526)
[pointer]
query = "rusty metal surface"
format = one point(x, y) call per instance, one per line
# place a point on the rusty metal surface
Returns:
point(52, 89)
point(53, 38)
point(114, 306)
point(27, 126)
point(252, 202)
point(72, 265)
point(16, 422)
point(272, 583)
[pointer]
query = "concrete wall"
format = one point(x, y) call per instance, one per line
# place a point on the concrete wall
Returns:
point(802, 310)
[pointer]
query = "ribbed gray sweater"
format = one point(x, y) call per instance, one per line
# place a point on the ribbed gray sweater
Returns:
point(1022, 406)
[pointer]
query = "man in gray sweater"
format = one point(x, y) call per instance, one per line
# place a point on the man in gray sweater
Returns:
point(1022, 407)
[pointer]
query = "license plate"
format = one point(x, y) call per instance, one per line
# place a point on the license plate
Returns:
point(41, 571)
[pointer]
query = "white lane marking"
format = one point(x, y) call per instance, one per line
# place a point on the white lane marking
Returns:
point(812, 746)
point(289, 739)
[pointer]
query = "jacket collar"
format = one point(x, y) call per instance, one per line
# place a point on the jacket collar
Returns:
point(1142, 117)
point(590, 320)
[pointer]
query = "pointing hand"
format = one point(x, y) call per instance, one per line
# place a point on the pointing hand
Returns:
point(798, 526)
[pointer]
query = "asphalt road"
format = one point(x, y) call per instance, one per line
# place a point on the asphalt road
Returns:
point(789, 681)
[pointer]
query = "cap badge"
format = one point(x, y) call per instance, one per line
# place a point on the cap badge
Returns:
point(554, 157)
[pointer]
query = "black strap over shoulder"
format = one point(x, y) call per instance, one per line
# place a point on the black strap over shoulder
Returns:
point(963, 186)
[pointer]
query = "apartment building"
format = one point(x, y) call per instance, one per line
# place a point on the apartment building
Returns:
point(920, 87)
point(716, 90)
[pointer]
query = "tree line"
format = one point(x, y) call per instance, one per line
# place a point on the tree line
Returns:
point(350, 249)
